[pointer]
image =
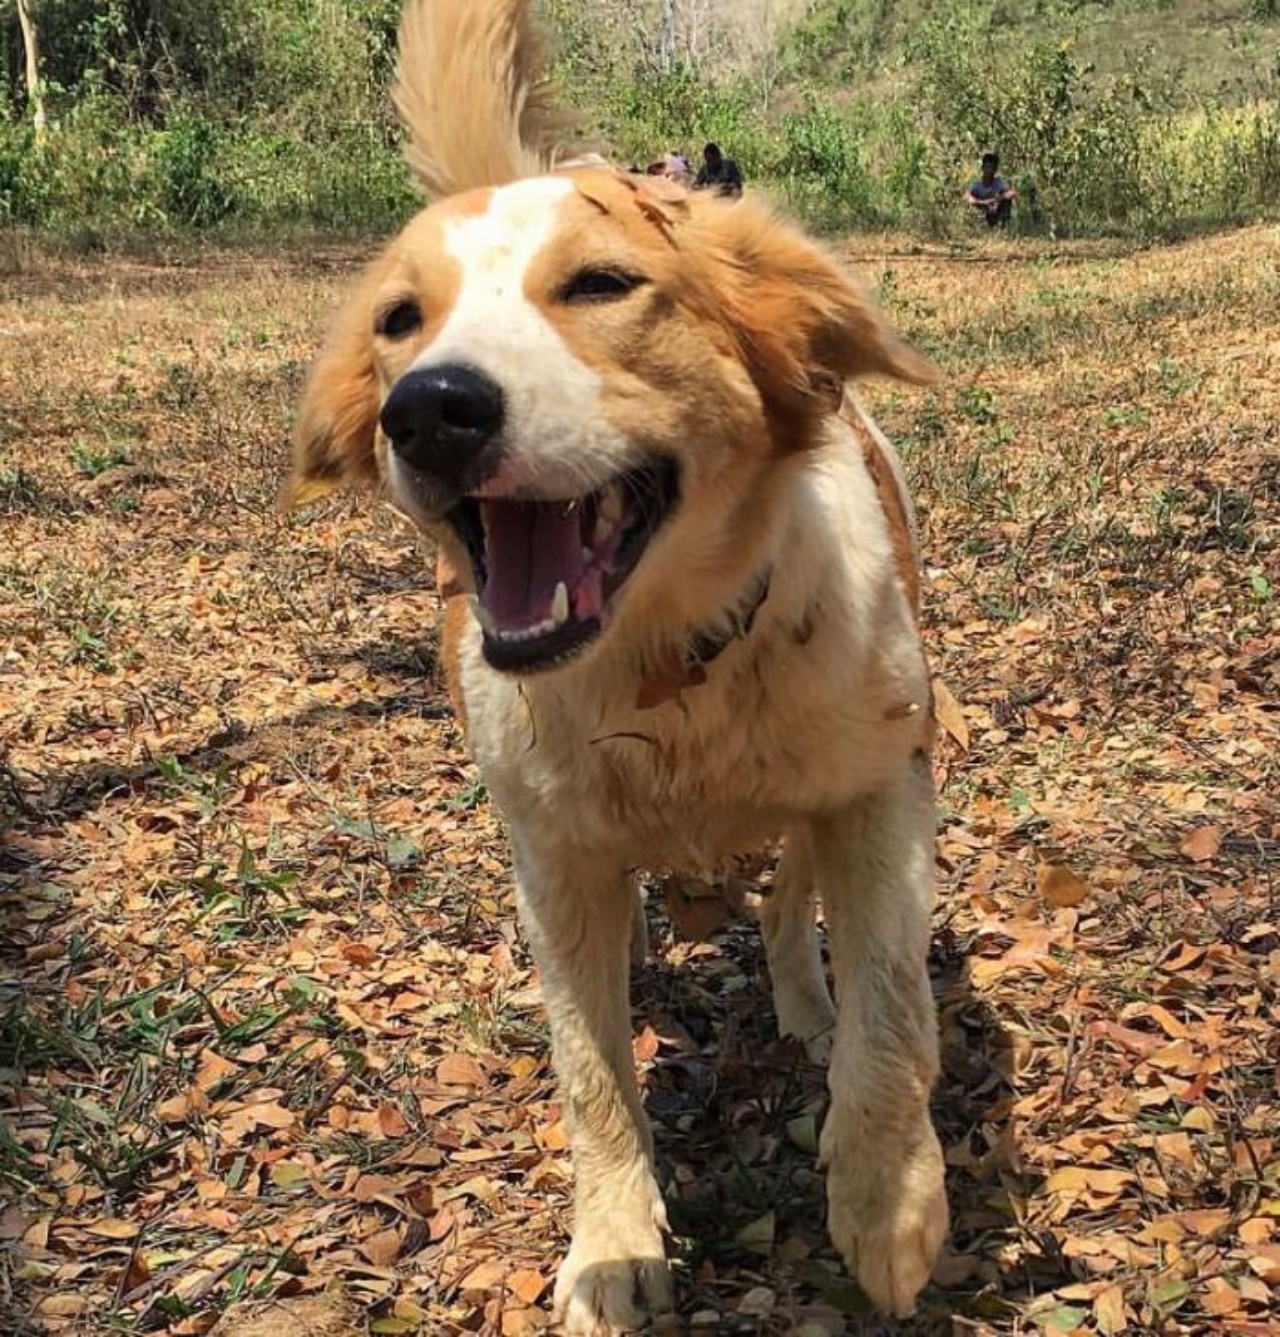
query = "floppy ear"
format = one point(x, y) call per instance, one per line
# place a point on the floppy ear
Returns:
point(801, 325)
point(333, 439)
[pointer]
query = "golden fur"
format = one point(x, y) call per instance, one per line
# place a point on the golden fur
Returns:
point(728, 356)
point(472, 91)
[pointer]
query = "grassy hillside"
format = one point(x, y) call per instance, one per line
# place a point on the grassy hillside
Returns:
point(1131, 117)
point(1224, 49)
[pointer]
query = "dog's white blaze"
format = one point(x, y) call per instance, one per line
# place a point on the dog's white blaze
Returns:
point(557, 439)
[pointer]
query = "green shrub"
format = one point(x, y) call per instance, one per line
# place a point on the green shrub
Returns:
point(185, 157)
point(15, 150)
point(823, 164)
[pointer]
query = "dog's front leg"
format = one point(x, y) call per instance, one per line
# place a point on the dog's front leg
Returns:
point(578, 916)
point(887, 1208)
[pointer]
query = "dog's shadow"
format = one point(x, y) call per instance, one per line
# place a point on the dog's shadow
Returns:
point(736, 1113)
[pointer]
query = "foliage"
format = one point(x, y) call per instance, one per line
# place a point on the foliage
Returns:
point(194, 115)
point(861, 113)
point(1100, 155)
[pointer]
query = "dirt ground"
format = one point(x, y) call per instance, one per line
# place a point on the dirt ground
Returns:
point(269, 1031)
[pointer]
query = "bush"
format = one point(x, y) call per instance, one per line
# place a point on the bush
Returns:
point(89, 174)
point(16, 146)
point(823, 165)
point(95, 176)
point(1080, 143)
point(185, 157)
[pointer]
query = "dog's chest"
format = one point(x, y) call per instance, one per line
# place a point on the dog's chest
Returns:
point(717, 771)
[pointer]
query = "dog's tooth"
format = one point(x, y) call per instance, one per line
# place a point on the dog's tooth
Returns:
point(611, 504)
point(560, 606)
point(603, 531)
point(483, 616)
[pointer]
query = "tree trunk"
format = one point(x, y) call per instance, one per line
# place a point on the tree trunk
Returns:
point(31, 46)
point(667, 37)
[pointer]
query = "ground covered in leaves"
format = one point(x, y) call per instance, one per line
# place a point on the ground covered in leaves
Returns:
point(269, 1029)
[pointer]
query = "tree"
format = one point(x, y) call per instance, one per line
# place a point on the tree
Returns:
point(31, 49)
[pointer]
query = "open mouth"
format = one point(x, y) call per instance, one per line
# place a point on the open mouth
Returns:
point(548, 571)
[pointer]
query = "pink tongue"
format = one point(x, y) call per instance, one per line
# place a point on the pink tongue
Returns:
point(530, 546)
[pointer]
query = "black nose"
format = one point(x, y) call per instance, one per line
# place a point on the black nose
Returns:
point(440, 419)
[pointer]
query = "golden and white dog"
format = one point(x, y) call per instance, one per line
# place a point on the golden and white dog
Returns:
point(684, 624)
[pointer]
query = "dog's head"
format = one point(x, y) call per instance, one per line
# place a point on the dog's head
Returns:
point(583, 381)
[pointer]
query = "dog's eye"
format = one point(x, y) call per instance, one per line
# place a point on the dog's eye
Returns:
point(398, 320)
point(599, 285)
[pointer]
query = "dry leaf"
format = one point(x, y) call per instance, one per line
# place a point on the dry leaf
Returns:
point(460, 1070)
point(758, 1235)
point(391, 1121)
point(382, 1249)
point(1202, 844)
point(1220, 1298)
point(359, 953)
point(1109, 1311)
point(949, 714)
point(484, 1277)
point(177, 1109)
point(698, 909)
point(1060, 886)
point(62, 1305)
point(644, 1047)
point(112, 1228)
point(953, 1269)
point(521, 1322)
point(1264, 1262)
point(136, 1273)
point(212, 1070)
point(271, 1114)
point(555, 1137)
point(527, 1286)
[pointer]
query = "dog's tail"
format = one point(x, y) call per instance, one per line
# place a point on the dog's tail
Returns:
point(472, 92)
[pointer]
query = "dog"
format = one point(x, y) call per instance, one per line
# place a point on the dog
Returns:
point(679, 567)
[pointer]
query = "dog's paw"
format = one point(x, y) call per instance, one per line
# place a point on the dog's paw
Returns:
point(887, 1214)
point(613, 1281)
point(806, 1017)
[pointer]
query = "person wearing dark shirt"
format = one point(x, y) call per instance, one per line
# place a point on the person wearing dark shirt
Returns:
point(718, 173)
point(991, 193)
